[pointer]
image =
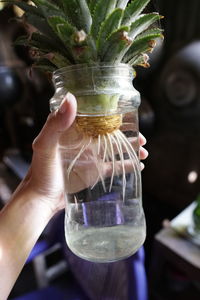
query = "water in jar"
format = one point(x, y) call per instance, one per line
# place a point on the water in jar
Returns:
point(104, 218)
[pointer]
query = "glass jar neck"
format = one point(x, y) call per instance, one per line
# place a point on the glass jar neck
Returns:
point(100, 89)
point(94, 79)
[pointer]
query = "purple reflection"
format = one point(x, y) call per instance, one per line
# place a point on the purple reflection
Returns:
point(106, 211)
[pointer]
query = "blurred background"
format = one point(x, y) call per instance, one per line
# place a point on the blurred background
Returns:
point(169, 119)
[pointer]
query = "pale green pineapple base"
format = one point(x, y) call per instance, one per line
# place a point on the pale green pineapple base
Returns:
point(102, 104)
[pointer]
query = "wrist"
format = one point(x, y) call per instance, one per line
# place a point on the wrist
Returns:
point(39, 200)
point(22, 221)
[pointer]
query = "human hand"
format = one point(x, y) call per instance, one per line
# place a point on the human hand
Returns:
point(45, 177)
point(44, 180)
point(41, 194)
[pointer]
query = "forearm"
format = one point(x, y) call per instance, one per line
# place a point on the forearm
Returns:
point(21, 223)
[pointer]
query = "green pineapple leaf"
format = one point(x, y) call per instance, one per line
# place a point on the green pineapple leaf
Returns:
point(144, 43)
point(40, 24)
point(78, 43)
point(54, 21)
point(92, 4)
point(35, 16)
point(157, 32)
point(110, 25)
point(57, 2)
point(54, 58)
point(101, 11)
point(117, 45)
point(78, 12)
point(37, 41)
point(122, 3)
point(43, 48)
point(142, 23)
point(133, 10)
point(89, 31)
point(48, 9)
point(43, 42)
point(58, 60)
point(88, 2)
point(140, 60)
point(64, 31)
point(83, 47)
point(21, 41)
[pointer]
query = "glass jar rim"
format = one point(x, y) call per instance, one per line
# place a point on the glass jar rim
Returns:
point(77, 67)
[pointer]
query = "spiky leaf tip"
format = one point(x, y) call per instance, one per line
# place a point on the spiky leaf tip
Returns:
point(144, 43)
point(142, 23)
point(117, 45)
point(133, 10)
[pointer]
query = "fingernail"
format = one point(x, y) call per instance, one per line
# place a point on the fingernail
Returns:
point(143, 153)
point(69, 97)
point(143, 140)
point(63, 107)
point(142, 166)
point(64, 104)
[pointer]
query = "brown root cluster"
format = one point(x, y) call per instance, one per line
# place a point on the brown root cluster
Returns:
point(100, 125)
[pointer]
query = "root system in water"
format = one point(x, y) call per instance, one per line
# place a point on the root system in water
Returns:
point(108, 145)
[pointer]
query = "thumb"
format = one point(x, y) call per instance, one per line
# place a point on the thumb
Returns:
point(56, 124)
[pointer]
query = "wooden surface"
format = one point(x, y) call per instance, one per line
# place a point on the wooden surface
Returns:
point(180, 246)
point(179, 251)
point(175, 267)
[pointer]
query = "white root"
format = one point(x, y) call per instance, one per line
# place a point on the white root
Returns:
point(94, 154)
point(132, 150)
point(76, 202)
point(104, 149)
point(84, 147)
point(104, 157)
point(134, 158)
point(121, 155)
point(112, 160)
point(99, 144)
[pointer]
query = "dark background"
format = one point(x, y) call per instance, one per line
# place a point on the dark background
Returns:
point(169, 113)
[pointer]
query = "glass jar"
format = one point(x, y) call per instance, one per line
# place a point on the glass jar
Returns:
point(104, 219)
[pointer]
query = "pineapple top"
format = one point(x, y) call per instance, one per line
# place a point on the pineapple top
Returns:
point(88, 31)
